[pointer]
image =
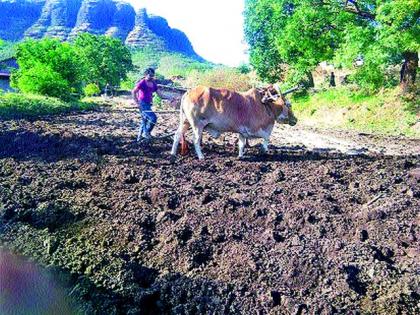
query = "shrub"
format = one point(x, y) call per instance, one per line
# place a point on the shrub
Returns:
point(47, 67)
point(42, 79)
point(104, 60)
point(91, 89)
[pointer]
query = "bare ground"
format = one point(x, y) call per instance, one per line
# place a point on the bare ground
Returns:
point(327, 223)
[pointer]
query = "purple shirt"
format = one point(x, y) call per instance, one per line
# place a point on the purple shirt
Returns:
point(143, 92)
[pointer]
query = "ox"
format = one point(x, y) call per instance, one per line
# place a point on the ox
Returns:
point(251, 114)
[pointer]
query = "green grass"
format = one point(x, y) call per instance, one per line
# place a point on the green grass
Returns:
point(187, 71)
point(386, 112)
point(167, 65)
point(7, 50)
point(17, 105)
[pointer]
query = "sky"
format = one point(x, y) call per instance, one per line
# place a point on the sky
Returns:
point(214, 27)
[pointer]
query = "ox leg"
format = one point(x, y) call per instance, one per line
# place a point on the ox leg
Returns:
point(264, 145)
point(241, 144)
point(198, 133)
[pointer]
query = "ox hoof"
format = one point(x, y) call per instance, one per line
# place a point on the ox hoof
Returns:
point(263, 151)
point(172, 159)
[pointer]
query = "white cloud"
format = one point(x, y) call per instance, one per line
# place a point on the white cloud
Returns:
point(215, 28)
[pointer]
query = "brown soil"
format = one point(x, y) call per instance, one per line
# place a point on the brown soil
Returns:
point(299, 231)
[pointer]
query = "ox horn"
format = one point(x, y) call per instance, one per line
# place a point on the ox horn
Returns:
point(277, 88)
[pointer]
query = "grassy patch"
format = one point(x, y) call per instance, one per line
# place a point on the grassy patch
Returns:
point(188, 72)
point(221, 77)
point(167, 65)
point(7, 50)
point(16, 105)
point(386, 112)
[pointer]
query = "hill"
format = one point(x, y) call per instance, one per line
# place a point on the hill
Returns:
point(64, 19)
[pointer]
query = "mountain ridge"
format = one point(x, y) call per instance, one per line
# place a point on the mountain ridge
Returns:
point(64, 19)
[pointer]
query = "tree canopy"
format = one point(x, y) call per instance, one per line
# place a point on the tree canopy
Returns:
point(299, 34)
point(105, 59)
point(50, 67)
point(47, 67)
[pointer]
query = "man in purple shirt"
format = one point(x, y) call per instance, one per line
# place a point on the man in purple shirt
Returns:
point(143, 96)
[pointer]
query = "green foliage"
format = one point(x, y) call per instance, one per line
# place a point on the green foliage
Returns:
point(105, 60)
point(303, 33)
point(91, 89)
point(47, 67)
point(129, 82)
point(221, 77)
point(260, 29)
point(244, 68)
point(173, 65)
point(7, 50)
point(157, 101)
point(145, 58)
point(42, 79)
point(166, 64)
point(385, 113)
point(17, 105)
point(178, 66)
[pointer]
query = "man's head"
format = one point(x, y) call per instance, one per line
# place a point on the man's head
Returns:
point(149, 73)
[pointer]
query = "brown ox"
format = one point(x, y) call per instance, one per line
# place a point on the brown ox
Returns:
point(251, 114)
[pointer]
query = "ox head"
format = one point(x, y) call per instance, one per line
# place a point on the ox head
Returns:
point(283, 108)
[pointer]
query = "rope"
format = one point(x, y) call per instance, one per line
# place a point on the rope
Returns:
point(161, 111)
point(174, 88)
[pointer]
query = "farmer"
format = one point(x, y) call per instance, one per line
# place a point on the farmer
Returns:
point(143, 96)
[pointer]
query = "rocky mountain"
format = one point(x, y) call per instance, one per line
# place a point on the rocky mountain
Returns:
point(64, 19)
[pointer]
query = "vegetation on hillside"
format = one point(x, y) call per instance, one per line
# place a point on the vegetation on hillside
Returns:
point(385, 112)
point(7, 50)
point(47, 67)
point(104, 60)
point(188, 72)
point(289, 38)
point(53, 68)
point(18, 105)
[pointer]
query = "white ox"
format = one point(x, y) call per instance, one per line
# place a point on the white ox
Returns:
point(251, 114)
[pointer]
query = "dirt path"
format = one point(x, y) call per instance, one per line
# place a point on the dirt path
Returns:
point(315, 227)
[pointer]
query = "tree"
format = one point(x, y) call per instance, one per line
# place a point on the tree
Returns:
point(105, 60)
point(302, 33)
point(42, 79)
point(47, 67)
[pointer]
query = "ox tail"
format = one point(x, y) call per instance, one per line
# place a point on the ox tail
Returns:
point(184, 145)
point(185, 125)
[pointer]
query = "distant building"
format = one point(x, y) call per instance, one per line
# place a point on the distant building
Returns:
point(6, 67)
